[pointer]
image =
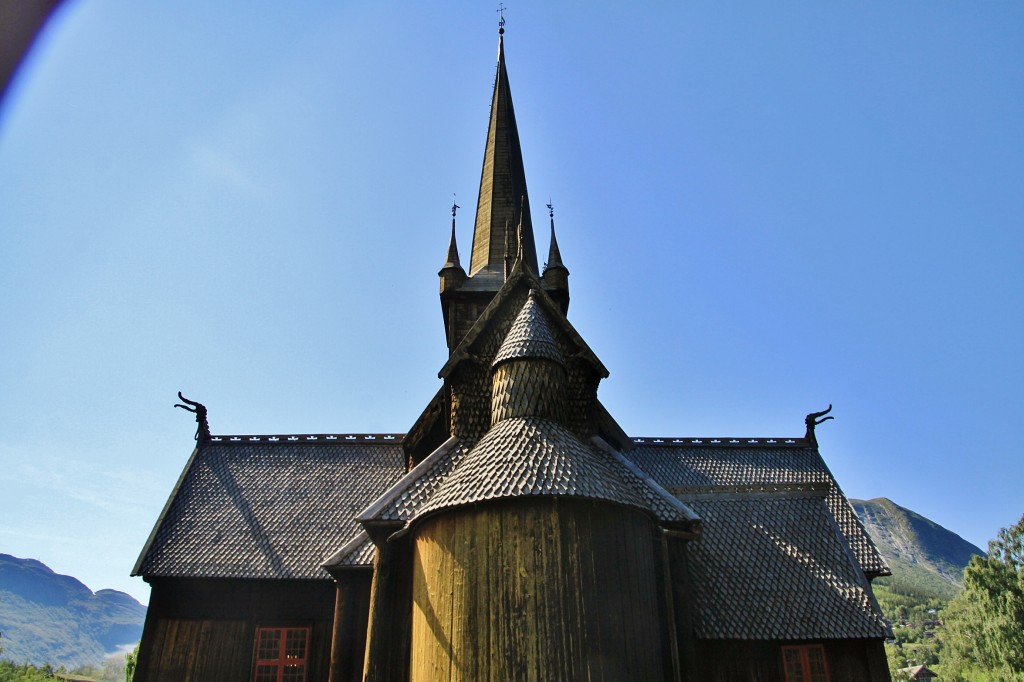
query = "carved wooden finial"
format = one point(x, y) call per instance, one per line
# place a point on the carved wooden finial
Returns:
point(199, 410)
point(812, 420)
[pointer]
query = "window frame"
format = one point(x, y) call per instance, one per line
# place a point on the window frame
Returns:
point(805, 662)
point(281, 661)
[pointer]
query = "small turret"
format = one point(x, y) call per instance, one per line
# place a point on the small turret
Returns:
point(452, 275)
point(556, 275)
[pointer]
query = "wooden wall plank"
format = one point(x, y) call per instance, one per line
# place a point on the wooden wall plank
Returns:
point(204, 630)
point(554, 590)
point(761, 661)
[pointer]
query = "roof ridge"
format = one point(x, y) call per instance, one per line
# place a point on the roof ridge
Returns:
point(723, 440)
point(349, 438)
point(725, 492)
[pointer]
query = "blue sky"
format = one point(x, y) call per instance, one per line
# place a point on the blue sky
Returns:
point(765, 208)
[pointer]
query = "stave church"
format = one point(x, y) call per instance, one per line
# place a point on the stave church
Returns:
point(514, 531)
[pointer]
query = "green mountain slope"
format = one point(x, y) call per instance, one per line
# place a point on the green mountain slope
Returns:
point(51, 618)
point(925, 558)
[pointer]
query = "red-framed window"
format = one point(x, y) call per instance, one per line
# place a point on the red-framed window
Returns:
point(805, 663)
point(281, 654)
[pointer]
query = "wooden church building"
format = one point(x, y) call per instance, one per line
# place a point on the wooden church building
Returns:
point(515, 532)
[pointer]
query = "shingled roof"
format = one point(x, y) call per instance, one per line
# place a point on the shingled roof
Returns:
point(268, 506)
point(398, 504)
point(689, 465)
point(530, 335)
point(530, 456)
point(519, 457)
point(774, 565)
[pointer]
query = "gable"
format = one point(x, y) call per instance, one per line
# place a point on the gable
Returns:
point(489, 331)
point(468, 372)
point(268, 507)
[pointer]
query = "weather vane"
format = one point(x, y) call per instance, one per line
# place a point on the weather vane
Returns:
point(501, 17)
point(455, 207)
point(551, 209)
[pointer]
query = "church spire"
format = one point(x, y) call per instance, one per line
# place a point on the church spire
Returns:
point(503, 198)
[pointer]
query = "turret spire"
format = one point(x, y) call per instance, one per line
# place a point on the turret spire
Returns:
point(503, 197)
point(556, 275)
point(554, 255)
point(453, 248)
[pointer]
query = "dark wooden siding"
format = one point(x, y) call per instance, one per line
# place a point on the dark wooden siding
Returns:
point(204, 630)
point(536, 590)
point(192, 650)
point(351, 610)
point(739, 661)
point(387, 636)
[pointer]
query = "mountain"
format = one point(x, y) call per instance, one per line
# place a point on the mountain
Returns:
point(51, 618)
point(924, 557)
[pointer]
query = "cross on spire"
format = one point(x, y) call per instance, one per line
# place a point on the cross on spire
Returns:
point(501, 18)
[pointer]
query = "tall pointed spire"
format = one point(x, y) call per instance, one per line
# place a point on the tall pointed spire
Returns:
point(503, 198)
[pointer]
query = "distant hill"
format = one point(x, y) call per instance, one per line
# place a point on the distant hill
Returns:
point(924, 557)
point(51, 618)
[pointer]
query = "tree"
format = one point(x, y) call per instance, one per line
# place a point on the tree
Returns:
point(897, 659)
point(130, 661)
point(984, 631)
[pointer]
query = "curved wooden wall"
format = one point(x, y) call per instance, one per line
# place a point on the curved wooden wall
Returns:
point(536, 589)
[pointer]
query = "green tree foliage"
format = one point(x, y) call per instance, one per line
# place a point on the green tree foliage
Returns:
point(12, 672)
point(130, 661)
point(915, 612)
point(897, 659)
point(984, 632)
point(112, 670)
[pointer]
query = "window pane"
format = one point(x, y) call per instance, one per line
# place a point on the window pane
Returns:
point(805, 663)
point(816, 660)
point(281, 654)
point(268, 645)
point(295, 644)
point(793, 663)
point(294, 673)
point(266, 673)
